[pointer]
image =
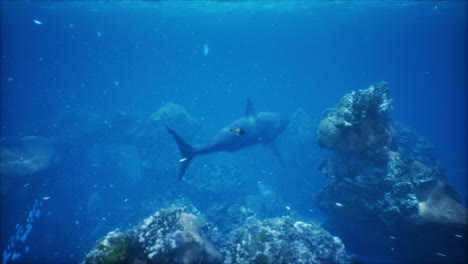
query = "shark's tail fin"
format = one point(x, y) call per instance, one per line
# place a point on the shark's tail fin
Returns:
point(187, 152)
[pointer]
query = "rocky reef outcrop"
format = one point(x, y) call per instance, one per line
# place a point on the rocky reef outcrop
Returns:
point(359, 123)
point(179, 235)
point(171, 235)
point(283, 240)
point(384, 186)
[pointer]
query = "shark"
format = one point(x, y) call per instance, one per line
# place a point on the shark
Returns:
point(251, 129)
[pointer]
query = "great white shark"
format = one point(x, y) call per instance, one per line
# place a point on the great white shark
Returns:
point(253, 128)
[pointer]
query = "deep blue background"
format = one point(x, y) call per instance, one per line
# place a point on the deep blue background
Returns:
point(283, 55)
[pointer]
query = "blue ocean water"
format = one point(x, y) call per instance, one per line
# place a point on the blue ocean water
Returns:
point(68, 68)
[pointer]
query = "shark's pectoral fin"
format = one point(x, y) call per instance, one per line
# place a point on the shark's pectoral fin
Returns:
point(276, 152)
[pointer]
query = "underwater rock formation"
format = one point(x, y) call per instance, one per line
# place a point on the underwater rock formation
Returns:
point(228, 217)
point(177, 235)
point(395, 197)
point(282, 240)
point(391, 193)
point(359, 123)
point(115, 247)
point(171, 235)
point(407, 141)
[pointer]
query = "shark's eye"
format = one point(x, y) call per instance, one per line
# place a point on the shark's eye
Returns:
point(238, 131)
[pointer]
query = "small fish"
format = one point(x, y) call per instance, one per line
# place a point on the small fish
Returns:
point(26, 185)
point(99, 34)
point(104, 219)
point(125, 200)
point(392, 237)
point(338, 204)
point(440, 254)
point(183, 159)
point(459, 236)
point(77, 222)
point(288, 208)
point(46, 198)
point(37, 22)
point(239, 131)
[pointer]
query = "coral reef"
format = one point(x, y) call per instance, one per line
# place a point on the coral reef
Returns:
point(408, 142)
point(178, 235)
point(227, 218)
point(171, 235)
point(116, 247)
point(397, 191)
point(390, 193)
point(359, 123)
point(281, 240)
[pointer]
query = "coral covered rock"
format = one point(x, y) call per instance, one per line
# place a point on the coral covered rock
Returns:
point(228, 217)
point(359, 123)
point(115, 248)
point(282, 240)
point(391, 193)
point(176, 235)
point(396, 192)
point(171, 235)
point(409, 143)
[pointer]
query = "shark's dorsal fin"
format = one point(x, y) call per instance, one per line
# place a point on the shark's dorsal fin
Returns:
point(250, 110)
